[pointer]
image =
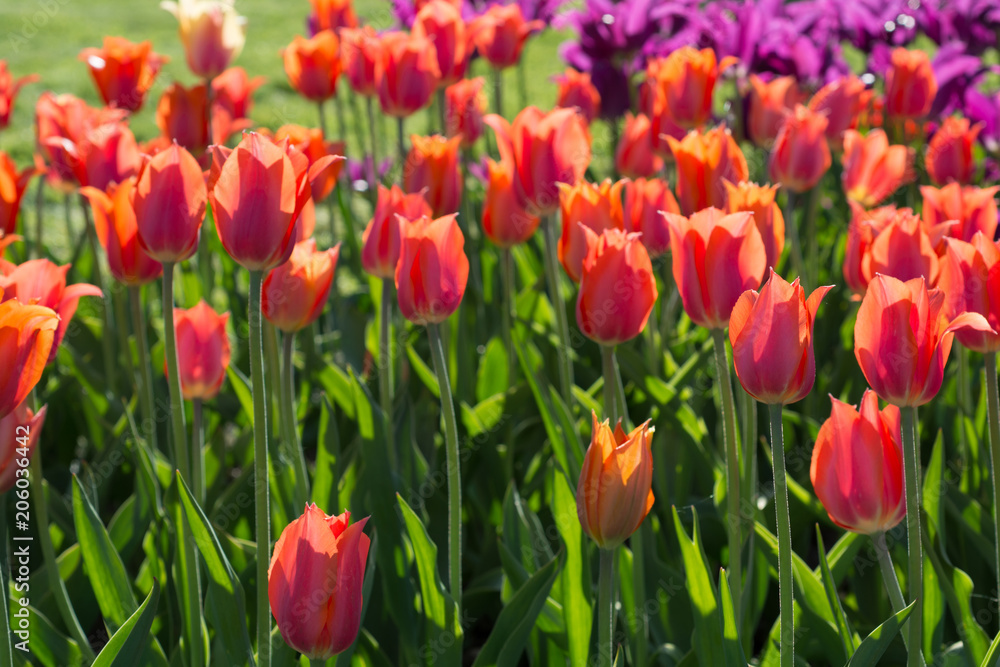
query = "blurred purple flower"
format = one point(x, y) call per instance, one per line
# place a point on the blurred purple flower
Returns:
point(975, 23)
point(955, 71)
point(984, 108)
point(542, 10)
point(358, 171)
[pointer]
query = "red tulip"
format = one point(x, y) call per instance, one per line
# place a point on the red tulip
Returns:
point(767, 104)
point(41, 282)
point(114, 220)
point(432, 166)
point(65, 128)
point(432, 271)
point(233, 92)
point(109, 155)
point(873, 169)
point(767, 216)
point(617, 287)
point(653, 103)
point(857, 466)
point(9, 88)
point(974, 209)
point(27, 335)
point(295, 292)
point(332, 15)
point(465, 104)
point(902, 338)
point(181, 117)
point(970, 280)
point(800, 155)
point(576, 90)
point(615, 493)
point(771, 333)
point(407, 73)
point(687, 78)
point(716, 257)
point(842, 101)
point(645, 200)
point(13, 183)
point(311, 143)
point(360, 53)
point(704, 162)
point(313, 65)
point(19, 433)
point(202, 351)
point(123, 71)
point(949, 152)
point(500, 33)
point(505, 222)
point(910, 85)
point(315, 582)
point(381, 239)
point(861, 232)
point(635, 156)
point(903, 249)
point(591, 206)
point(212, 32)
point(441, 22)
point(169, 205)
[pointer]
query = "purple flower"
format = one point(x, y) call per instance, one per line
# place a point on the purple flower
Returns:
point(973, 22)
point(955, 71)
point(358, 171)
point(984, 108)
point(542, 10)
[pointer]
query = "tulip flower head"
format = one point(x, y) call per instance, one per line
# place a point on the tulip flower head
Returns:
point(594, 206)
point(687, 78)
point(441, 22)
point(576, 90)
point(432, 166)
point(760, 200)
point(310, 142)
point(615, 493)
point(407, 73)
point(19, 433)
point(800, 155)
point(115, 222)
point(873, 169)
point(910, 85)
point(704, 162)
point(27, 336)
point(500, 32)
point(974, 209)
point(857, 466)
point(332, 15)
point(635, 156)
point(169, 201)
point(203, 351)
point(123, 71)
point(9, 88)
point(645, 200)
point(771, 333)
point(315, 581)
point(909, 251)
point(768, 102)
point(842, 101)
point(313, 65)
point(949, 152)
point(465, 104)
point(433, 269)
point(13, 183)
point(970, 279)
point(381, 238)
point(295, 292)
point(360, 53)
point(212, 32)
point(505, 222)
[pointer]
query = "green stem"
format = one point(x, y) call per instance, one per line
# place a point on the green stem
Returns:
point(145, 370)
point(68, 218)
point(749, 484)
point(373, 172)
point(522, 81)
point(442, 112)
point(261, 498)
point(288, 421)
point(322, 118)
point(198, 447)
point(605, 609)
point(733, 521)
point(107, 340)
point(498, 91)
point(209, 97)
point(914, 574)
point(798, 264)
point(785, 583)
point(993, 405)
point(179, 429)
point(385, 387)
point(338, 106)
point(812, 241)
point(963, 390)
point(39, 217)
point(401, 144)
point(891, 581)
point(454, 466)
point(608, 371)
point(118, 300)
point(552, 276)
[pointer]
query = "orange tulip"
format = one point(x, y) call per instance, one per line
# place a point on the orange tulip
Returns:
point(432, 271)
point(857, 466)
point(767, 216)
point(109, 154)
point(381, 239)
point(635, 156)
point(114, 220)
point(233, 91)
point(974, 209)
point(716, 257)
point(904, 250)
point(180, 115)
point(970, 280)
point(310, 142)
point(212, 32)
point(861, 232)
point(800, 155)
point(123, 71)
point(645, 200)
point(202, 351)
point(441, 22)
point(545, 149)
point(615, 492)
point(617, 287)
point(505, 222)
point(9, 88)
point(360, 53)
point(19, 433)
point(704, 162)
point(771, 333)
point(407, 73)
point(41, 282)
point(13, 183)
point(295, 292)
point(949, 152)
point(842, 101)
point(169, 203)
point(767, 104)
point(873, 169)
point(576, 90)
point(500, 32)
point(591, 206)
point(313, 65)
point(314, 582)
point(332, 15)
point(27, 334)
point(902, 338)
point(910, 85)
point(432, 165)
point(66, 128)
point(687, 78)
point(465, 104)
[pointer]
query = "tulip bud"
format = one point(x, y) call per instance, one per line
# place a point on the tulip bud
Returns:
point(576, 91)
point(704, 162)
point(19, 433)
point(432, 166)
point(381, 239)
point(771, 334)
point(645, 200)
point(433, 269)
point(313, 65)
point(615, 492)
point(169, 205)
point(800, 155)
point(27, 333)
point(974, 209)
point(759, 200)
point(115, 223)
point(596, 207)
point(949, 152)
point(295, 292)
point(857, 466)
point(635, 156)
point(441, 23)
point(970, 280)
point(767, 105)
point(202, 351)
point(212, 32)
point(873, 169)
point(407, 73)
point(315, 581)
point(13, 183)
point(505, 222)
point(500, 33)
point(910, 85)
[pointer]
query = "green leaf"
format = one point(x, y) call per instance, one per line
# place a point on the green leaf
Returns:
point(992, 655)
point(241, 385)
point(874, 645)
point(510, 633)
point(730, 633)
point(328, 463)
point(843, 628)
point(491, 378)
point(575, 579)
point(126, 646)
point(49, 647)
point(423, 371)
